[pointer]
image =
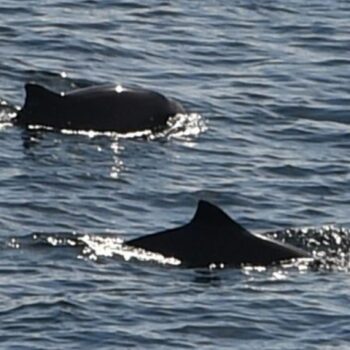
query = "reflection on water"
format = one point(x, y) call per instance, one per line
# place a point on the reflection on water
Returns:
point(117, 162)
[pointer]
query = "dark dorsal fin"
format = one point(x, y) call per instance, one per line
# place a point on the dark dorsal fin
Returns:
point(36, 92)
point(210, 215)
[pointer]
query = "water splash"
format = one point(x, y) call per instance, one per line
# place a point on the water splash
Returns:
point(93, 247)
point(181, 126)
point(97, 247)
point(7, 113)
point(329, 244)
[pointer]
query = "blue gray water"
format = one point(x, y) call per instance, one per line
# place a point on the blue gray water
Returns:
point(268, 86)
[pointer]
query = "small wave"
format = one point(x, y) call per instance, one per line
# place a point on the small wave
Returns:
point(4, 125)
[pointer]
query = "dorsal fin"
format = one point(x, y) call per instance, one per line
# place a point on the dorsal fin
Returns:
point(210, 215)
point(35, 92)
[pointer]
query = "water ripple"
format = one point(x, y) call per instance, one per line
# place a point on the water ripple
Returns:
point(268, 83)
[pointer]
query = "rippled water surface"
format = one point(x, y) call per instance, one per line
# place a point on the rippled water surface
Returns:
point(267, 138)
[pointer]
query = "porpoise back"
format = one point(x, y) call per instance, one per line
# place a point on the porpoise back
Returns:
point(99, 108)
point(212, 237)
